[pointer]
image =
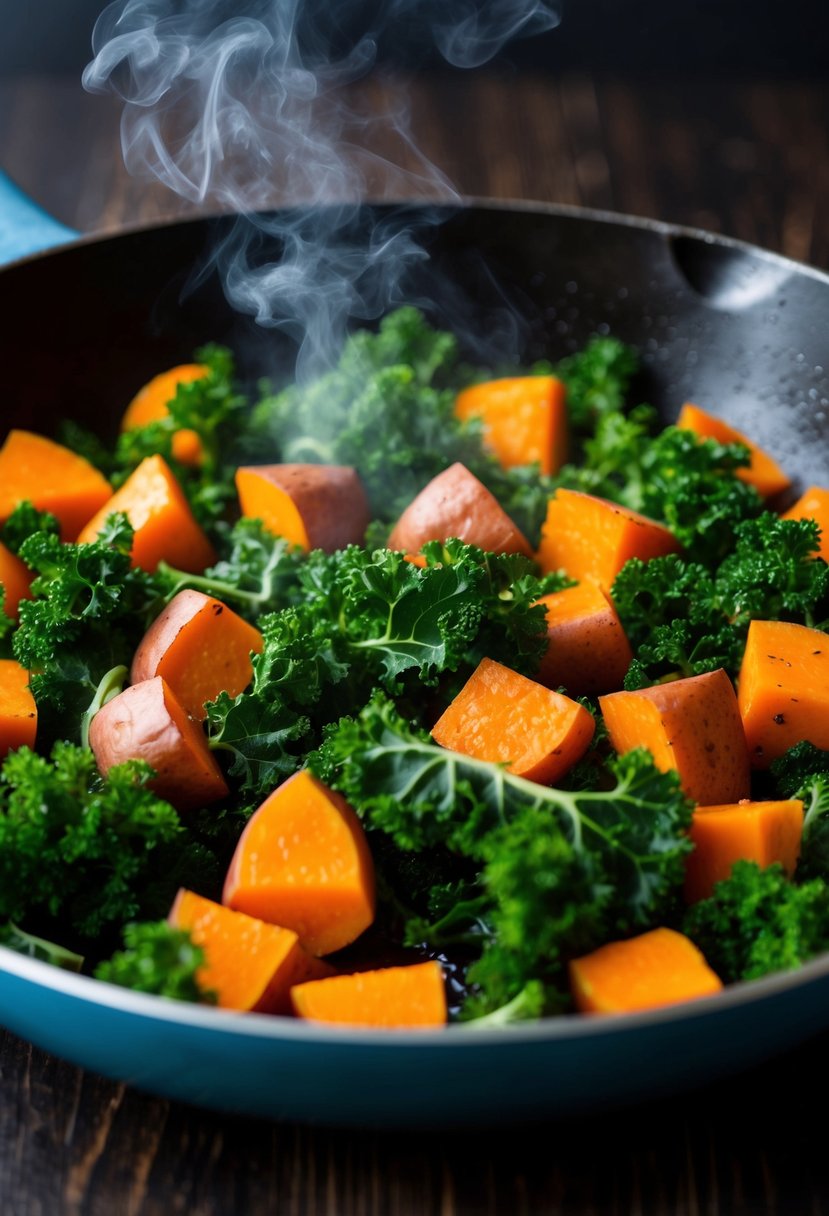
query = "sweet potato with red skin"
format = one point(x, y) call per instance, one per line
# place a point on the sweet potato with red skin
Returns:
point(657, 968)
point(763, 832)
point(763, 472)
point(503, 717)
point(456, 503)
point(587, 649)
point(524, 419)
point(18, 711)
point(201, 648)
point(15, 580)
point(783, 689)
point(592, 538)
point(53, 478)
point(393, 998)
point(250, 965)
point(314, 506)
point(690, 725)
point(813, 504)
point(146, 722)
point(165, 527)
point(303, 863)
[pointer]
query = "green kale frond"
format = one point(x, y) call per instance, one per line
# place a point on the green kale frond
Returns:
point(158, 959)
point(86, 854)
point(757, 922)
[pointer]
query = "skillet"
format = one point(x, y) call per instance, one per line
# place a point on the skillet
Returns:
point(741, 332)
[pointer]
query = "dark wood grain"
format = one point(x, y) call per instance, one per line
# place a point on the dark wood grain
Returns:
point(745, 157)
point(741, 157)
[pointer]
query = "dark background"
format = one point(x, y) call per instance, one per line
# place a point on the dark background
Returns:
point(614, 35)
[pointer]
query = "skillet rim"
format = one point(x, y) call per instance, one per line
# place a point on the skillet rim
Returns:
point(470, 202)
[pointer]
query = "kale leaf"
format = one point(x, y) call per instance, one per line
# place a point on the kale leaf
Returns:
point(556, 869)
point(158, 959)
point(82, 855)
point(684, 618)
point(364, 620)
point(757, 922)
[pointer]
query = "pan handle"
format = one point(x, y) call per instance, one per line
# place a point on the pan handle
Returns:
point(24, 227)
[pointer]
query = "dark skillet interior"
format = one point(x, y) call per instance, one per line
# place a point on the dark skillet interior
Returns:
point(738, 331)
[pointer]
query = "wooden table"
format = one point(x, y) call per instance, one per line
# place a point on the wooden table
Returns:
point(745, 157)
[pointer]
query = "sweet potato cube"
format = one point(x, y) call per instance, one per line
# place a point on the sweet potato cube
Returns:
point(303, 862)
point(657, 968)
point(394, 998)
point(764, 832)
point(250, 965)
point(763, 472)
point(524, 419)
point(814, 504)
point(503, 717)
point(456, 503)
point(201, 648)
point(150, 404)
point(314, 506)
point(51, 477)
point(784, 689)
point(18, 711)
point(591, 538)
point(147, 722)
point(15, 581)
point(690, 725)
point(165, 528)
point(587, 649)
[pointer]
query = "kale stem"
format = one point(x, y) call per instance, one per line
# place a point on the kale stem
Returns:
point(109, 686)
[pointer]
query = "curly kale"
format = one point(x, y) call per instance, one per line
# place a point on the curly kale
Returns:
point(556, 870)
point(24, 521)
point(388, 409)
point(598, 379)
point(364, 620)
point(757, 922)
point(683, 618)
point(686, 483)
point(82, 856)
point(257, 574)
point(158, 959)
point(89, 611)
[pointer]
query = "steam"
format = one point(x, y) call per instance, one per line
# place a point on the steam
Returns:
point(236, 110)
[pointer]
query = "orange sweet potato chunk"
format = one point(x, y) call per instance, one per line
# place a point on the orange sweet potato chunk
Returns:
point(150, 404)
point(587, 648)
point(591, 538)
point(657, 968)
point(505, 718)
point(15, 580)
point(783, 689)
point(201, 648)
point(763, 472)
point(456, 503)
point(165, 528)
point(18, 712)
point(764, 832)
point(314, 506)
point(394, 998)
point(303, 862)
point(690, 725)
point(250, 965)
point(814, 504)
point(147, 722)
point(524, 419)
point(52, 478)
